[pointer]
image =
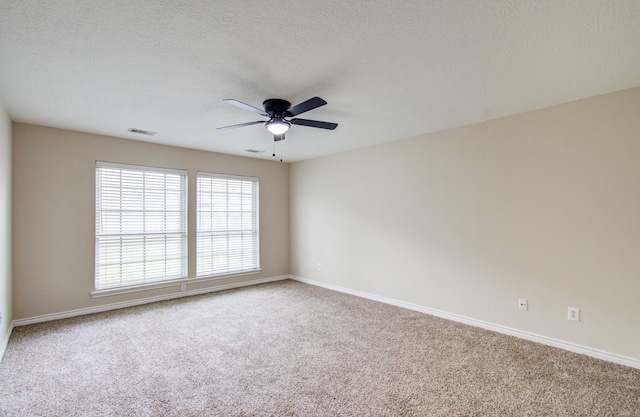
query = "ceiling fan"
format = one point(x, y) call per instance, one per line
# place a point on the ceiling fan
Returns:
point(278, 110)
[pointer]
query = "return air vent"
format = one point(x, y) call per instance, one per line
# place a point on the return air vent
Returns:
point(253, 151)
point(142, 132)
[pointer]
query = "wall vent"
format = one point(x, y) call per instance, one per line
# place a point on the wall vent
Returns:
point(142, 132)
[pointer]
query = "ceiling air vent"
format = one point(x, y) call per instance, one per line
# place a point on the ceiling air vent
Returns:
point(253, 151)
point(142, 132)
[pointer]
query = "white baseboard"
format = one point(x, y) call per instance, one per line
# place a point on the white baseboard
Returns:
point(572, 347)
point(140, 301)
point(5, 341)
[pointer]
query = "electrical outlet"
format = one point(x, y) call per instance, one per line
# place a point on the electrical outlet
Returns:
point(523, 304)
point(183, 287)
point(319, 266)
point(574, 314)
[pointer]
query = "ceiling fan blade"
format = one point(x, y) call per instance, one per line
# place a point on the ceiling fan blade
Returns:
point(310, 104)
point(314, 123)
point(245, 106)
point(241, 125)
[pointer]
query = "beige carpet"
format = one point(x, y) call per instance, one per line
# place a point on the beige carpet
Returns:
point(290, 349)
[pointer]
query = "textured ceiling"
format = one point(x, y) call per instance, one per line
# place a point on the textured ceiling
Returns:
point(388, 69)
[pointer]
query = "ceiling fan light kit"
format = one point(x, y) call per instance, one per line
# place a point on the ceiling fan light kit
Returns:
point(278, 110)
point(278, 126)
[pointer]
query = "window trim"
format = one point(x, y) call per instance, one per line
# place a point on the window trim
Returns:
point(107, 292)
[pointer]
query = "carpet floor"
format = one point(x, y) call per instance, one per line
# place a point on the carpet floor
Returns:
point(291, 349)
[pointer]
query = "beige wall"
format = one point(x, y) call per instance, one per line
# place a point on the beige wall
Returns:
point(5, 227)
point(544, 205)
point(54, 206)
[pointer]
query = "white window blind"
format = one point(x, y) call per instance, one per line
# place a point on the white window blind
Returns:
point(227, 224)
point(141, 227)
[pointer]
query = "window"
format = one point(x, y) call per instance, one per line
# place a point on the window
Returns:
point(227, 224)
point(141, 227)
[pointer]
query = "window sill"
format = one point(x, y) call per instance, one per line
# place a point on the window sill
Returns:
point(107, 292)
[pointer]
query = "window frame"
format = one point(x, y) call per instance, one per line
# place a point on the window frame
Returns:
point(182, 233)
point(256, 267)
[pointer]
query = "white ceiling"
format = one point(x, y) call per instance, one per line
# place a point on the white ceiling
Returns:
point(388, 69)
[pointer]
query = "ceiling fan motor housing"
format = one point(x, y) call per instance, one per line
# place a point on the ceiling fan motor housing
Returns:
point(276, 106)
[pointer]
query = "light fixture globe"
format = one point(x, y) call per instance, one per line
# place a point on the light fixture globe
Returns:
point(278, 126)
